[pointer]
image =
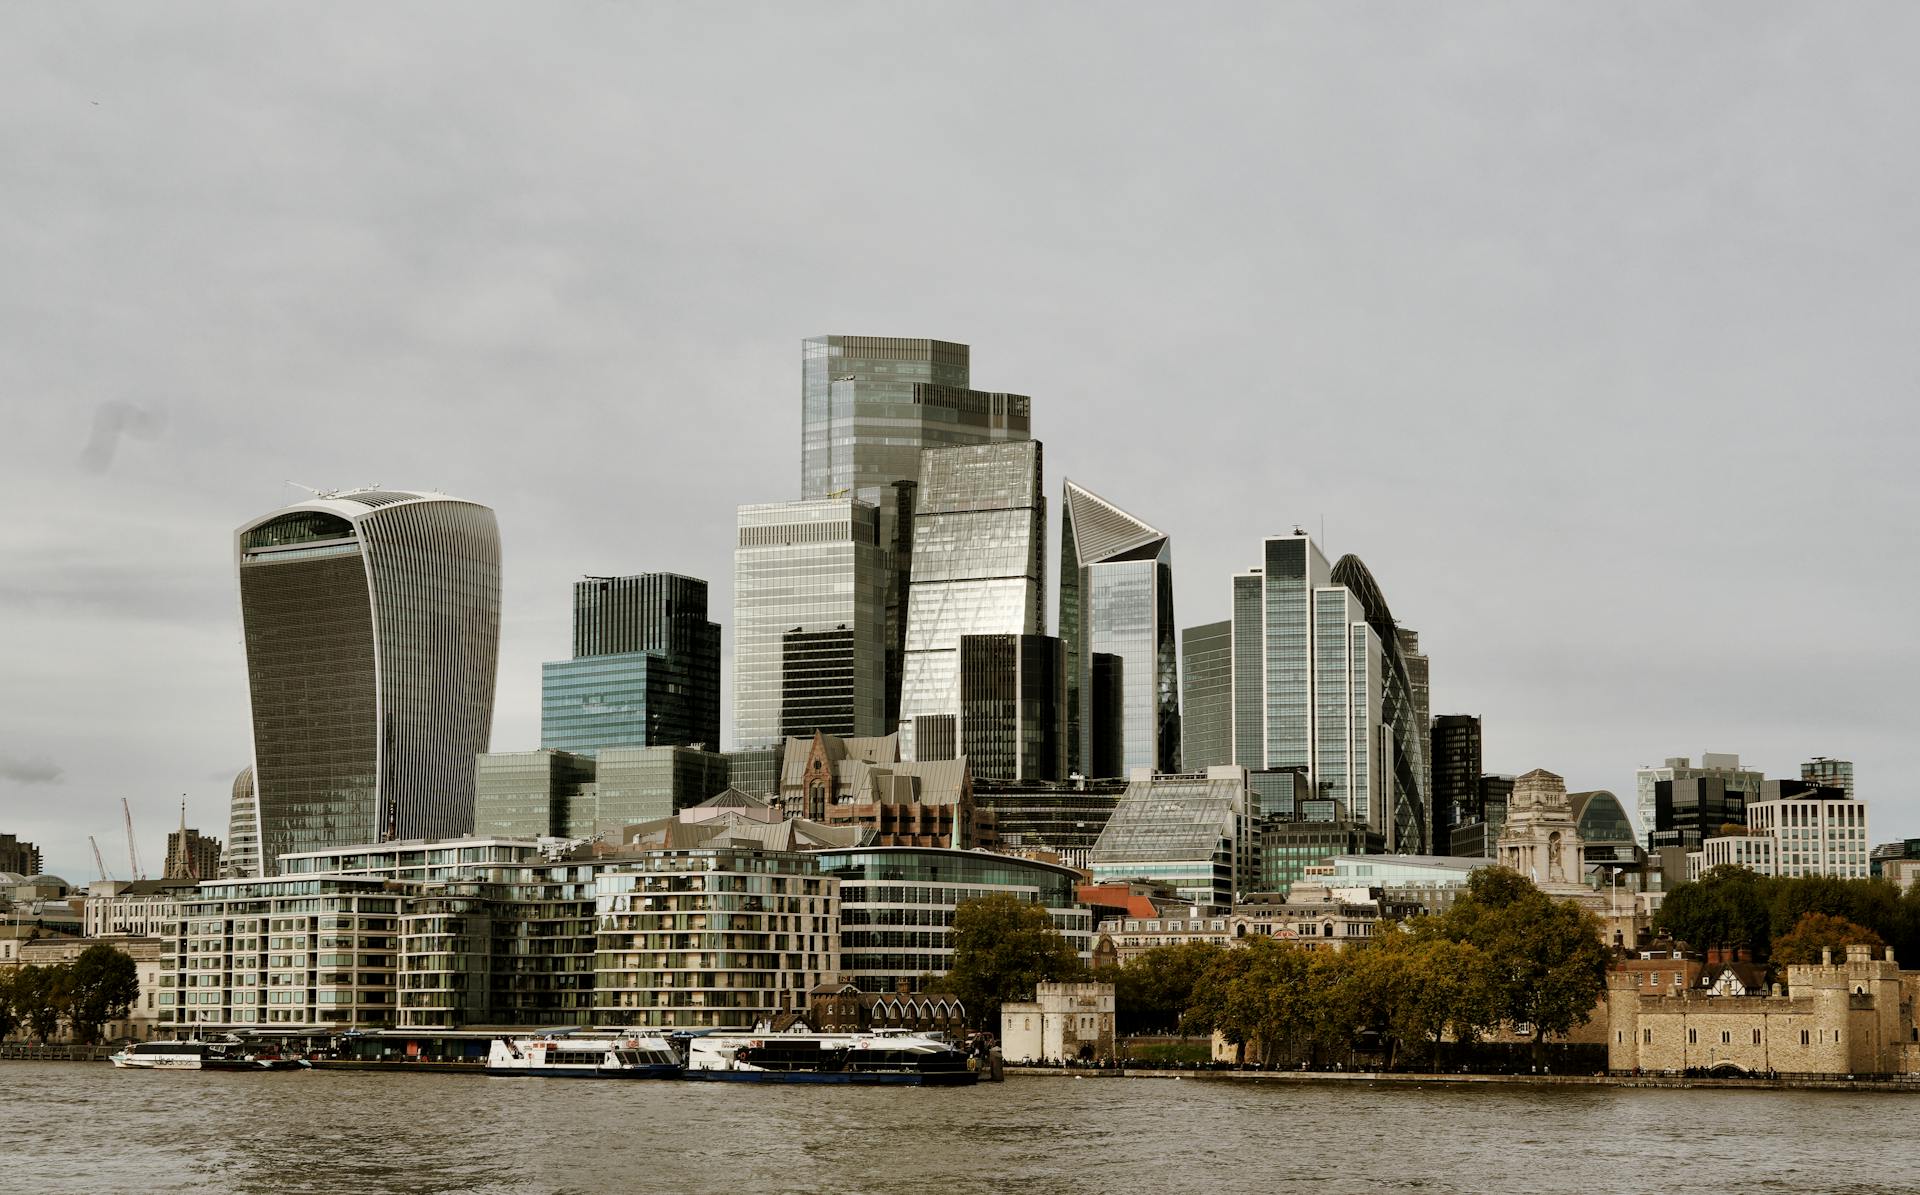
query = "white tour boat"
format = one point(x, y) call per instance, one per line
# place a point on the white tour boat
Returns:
point(801, 1056)
point(192, 1055)
point(572, 1056)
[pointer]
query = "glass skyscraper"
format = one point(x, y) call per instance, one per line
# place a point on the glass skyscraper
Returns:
point(1324, 679)
point(645, 672)
point(372, 628)
point(1116, 598)
point(802, 569)
point(869, 406)
point(1206, 713)
point(1013, 706)
point(979, 568)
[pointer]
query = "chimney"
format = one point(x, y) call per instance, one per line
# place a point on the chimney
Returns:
point(1826, 956)
point(903, 986)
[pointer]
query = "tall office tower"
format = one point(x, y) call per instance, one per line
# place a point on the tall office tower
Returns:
point(1322, 681)
point(372, 625)
point(1116, 596)
point(242, 861)
point(808, 568)
point(192, 855)
point(979, 568)
point(1829, 773)
point(1206, 714)
point(645, 669)
point(869, 405)
point(1456, 759)
point(1726, 767)
point(1013, 706)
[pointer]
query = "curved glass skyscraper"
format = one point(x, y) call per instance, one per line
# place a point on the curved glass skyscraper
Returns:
point(372, 626)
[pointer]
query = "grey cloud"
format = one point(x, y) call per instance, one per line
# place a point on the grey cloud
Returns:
point(30, 769)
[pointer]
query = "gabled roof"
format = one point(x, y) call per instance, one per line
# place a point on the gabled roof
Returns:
point(1101, 530)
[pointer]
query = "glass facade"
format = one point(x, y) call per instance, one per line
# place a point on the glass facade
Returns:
point(1191, 831)
point(897, 906)
point(1120, 603)
point(1013, 706)
point(807, 566)
point(978, 567)
point(756, 770)
point(1725, 767)
point(1249, 671)
point(1063, 819)
point(1293, 569)
point(534, 794)
point(645, 669)
point(1206, 715)
point(869, 406)
point(372, 625)
point(1342, 689)
point(642, 784)
point(1456, 761)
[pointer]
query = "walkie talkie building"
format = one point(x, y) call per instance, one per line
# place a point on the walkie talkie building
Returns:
point(372, 627)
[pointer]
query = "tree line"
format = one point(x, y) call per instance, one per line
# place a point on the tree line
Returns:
point(1503, 953)
point(87, 994)
point(1735, 908)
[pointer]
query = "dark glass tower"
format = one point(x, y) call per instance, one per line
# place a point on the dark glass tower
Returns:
point(1116, 598)
point(1457, 761)
point(1013, 705)
point(645, 669)
point(372, 628)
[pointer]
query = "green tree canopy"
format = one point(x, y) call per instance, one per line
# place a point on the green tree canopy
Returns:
point(1002, 948)
point(9, 1019)
point(100, 986)
point(1727, 908)
point(1153, 988)
point(1545, 960)
point(1821, 931)
point(38, 994)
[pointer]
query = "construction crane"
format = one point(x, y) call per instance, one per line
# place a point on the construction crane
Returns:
point(97, 860)
point(133, 852)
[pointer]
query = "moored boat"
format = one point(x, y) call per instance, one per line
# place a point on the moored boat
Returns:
point(879, 1058)
point(571, 1056)
point(192, 1055)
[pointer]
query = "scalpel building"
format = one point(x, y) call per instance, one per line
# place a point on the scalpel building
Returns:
point(372, 628)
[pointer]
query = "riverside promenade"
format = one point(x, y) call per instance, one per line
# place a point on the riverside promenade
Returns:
point(1894, 1083)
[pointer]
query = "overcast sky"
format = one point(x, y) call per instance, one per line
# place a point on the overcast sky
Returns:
point(1589, 327)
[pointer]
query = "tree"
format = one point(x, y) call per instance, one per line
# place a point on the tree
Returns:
point(1152, 990)
point(101, 986)
point(1820, 931)
point(1545, 960)
point(9, 1019)
point(1727, 908)
point(1002, 948)
point(38, 993)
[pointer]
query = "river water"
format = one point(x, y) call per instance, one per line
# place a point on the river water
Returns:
point(89, 1128)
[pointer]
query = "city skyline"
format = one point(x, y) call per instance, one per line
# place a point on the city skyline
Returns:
point(1533, 349)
